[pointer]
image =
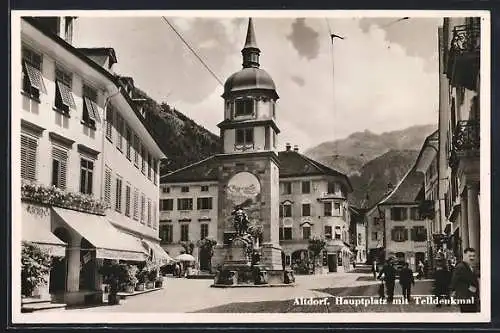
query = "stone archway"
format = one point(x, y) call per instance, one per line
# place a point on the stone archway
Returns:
point(59, 269)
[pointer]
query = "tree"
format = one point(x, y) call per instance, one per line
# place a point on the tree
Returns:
point(187, 247)
point(316, 245)
point(36, 264)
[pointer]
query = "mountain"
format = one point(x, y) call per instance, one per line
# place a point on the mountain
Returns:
point(349, 154)
point(375, 177)
point(373, 161)
point(179, 137)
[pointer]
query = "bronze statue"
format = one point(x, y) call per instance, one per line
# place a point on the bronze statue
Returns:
point(240, 221)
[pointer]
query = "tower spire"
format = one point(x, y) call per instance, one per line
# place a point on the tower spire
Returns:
point(250, 51)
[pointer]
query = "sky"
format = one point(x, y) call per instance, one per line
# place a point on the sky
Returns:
point(382, 76)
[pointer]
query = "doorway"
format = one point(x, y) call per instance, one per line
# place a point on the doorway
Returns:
point(204, 259)
point(59, 269)
point(332, 262)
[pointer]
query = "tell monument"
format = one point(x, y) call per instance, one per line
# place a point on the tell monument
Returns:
point(248, 251)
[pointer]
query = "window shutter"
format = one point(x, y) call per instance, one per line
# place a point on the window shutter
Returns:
point(107, 187)
point(405, 233)
point(198, 203)
point(62, 157)
point(127, 200)
point(413, 234)
point(404, 214)
point(28, 157)
point(136, 204)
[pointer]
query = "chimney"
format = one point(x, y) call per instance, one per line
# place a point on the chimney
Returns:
point(295, 148)
point(288, 146)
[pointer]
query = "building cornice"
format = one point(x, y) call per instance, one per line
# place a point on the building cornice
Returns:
point(230, 124)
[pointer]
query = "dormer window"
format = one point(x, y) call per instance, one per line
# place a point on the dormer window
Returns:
point(244, 107)
point(64, 95)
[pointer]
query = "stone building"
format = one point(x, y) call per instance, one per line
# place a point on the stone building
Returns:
point(291, 196)
point(459, 131)
point(89, 190)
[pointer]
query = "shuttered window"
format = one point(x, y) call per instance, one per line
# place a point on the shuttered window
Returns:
point(149, 213)
point(136, 150)
point(90, 109)
point(155, 217)
point(136, 204)
point(64, 96)
point(29, 147)
point(143, 208)
point(107, 186)
point(149, 166)
point(127, 200)
point(119, 132)
point(203, 230)
point(33, 82)
point(399, 234)
point(59, 167)
point(118, 195)
point(109, 123)
point(86, 175)
point(143, 157)
point(128, 139)
point(184, 232)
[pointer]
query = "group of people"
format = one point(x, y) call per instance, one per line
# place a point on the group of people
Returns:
point(462, 282)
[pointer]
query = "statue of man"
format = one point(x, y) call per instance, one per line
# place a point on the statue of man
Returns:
point(240, 221)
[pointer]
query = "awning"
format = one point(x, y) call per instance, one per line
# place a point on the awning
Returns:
point(159, 254)
point(110, 243)
point(38, 234)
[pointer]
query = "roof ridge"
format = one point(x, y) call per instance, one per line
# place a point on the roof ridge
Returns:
point(188, 166)
point(397, 186)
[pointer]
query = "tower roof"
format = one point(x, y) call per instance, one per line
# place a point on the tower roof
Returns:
point(251, 77)
point(250, 41)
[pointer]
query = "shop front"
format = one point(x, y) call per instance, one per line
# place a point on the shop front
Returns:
point(91, 239)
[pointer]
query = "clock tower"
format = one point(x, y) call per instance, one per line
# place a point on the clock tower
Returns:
point(248, 167)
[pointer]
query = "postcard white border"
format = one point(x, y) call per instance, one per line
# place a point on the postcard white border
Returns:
point(122, 318)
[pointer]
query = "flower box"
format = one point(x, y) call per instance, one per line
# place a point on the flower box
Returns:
point(53, 196)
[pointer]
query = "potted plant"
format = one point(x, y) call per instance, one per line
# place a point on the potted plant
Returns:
point(35, 268)
point(159, 282)
point(131, 278)
point(141, 280)
point(114, 274)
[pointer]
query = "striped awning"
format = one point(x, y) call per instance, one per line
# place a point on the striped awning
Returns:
point(109, 242)
point(37, 233)
point(66, 95)
point(91, 109)
point(35, 77)
point(159, 254)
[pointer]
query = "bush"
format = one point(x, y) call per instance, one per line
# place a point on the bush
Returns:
point(35, 266)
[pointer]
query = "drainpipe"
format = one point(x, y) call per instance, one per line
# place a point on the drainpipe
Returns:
point(106, 102)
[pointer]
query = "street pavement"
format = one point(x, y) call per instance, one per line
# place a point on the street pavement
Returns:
point(189, 295)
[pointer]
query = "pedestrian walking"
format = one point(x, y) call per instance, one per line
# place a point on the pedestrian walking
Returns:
point(406, 280)
point(420, 270)
point(374, 269)
point(442, 280)
point(465, 283)
point(389, 276)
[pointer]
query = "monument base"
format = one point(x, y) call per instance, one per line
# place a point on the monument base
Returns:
point(237, 270)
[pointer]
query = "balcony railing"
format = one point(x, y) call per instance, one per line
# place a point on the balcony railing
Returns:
point(464, 54)
point(466, 39)
point(466, 140)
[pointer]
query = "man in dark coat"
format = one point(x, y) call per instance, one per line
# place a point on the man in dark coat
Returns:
point(442, 279)
point(406, 280)
point(465, 283)
point(389, 275)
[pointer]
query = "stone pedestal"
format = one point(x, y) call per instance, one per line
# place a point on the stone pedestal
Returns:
point(271, 257)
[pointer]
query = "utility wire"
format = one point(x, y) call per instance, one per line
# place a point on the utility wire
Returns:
point(333, 75)
point(193, 51)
